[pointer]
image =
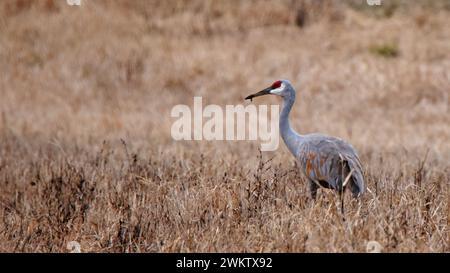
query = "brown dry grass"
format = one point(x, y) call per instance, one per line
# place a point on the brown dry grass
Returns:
point(85, 146)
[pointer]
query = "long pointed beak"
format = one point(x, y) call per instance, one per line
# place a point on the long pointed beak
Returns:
point(260, 93)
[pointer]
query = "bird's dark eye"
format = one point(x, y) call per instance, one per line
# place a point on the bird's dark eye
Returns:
point(276, 84)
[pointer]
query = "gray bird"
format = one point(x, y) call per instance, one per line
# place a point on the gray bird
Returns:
point(325, 161)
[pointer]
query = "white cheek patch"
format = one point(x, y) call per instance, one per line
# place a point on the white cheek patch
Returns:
point(278, 90)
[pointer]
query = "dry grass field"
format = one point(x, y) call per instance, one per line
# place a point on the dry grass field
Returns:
point(86, 152)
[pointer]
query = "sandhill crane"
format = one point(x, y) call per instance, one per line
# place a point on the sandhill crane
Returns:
point(325, 161)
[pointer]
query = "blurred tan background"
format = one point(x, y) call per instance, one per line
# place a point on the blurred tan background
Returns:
point(378, 76)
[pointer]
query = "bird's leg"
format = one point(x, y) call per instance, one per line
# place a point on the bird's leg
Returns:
point(341, 198)
point(313, 189)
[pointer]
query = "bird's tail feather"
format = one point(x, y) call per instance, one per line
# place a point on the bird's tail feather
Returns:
point(357, 180)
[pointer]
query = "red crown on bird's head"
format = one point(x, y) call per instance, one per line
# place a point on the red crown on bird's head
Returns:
point(276, 84)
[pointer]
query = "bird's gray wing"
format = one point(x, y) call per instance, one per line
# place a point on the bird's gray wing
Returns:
point(330, 160)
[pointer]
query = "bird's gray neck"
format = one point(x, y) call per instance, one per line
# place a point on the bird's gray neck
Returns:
point(291, 138)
